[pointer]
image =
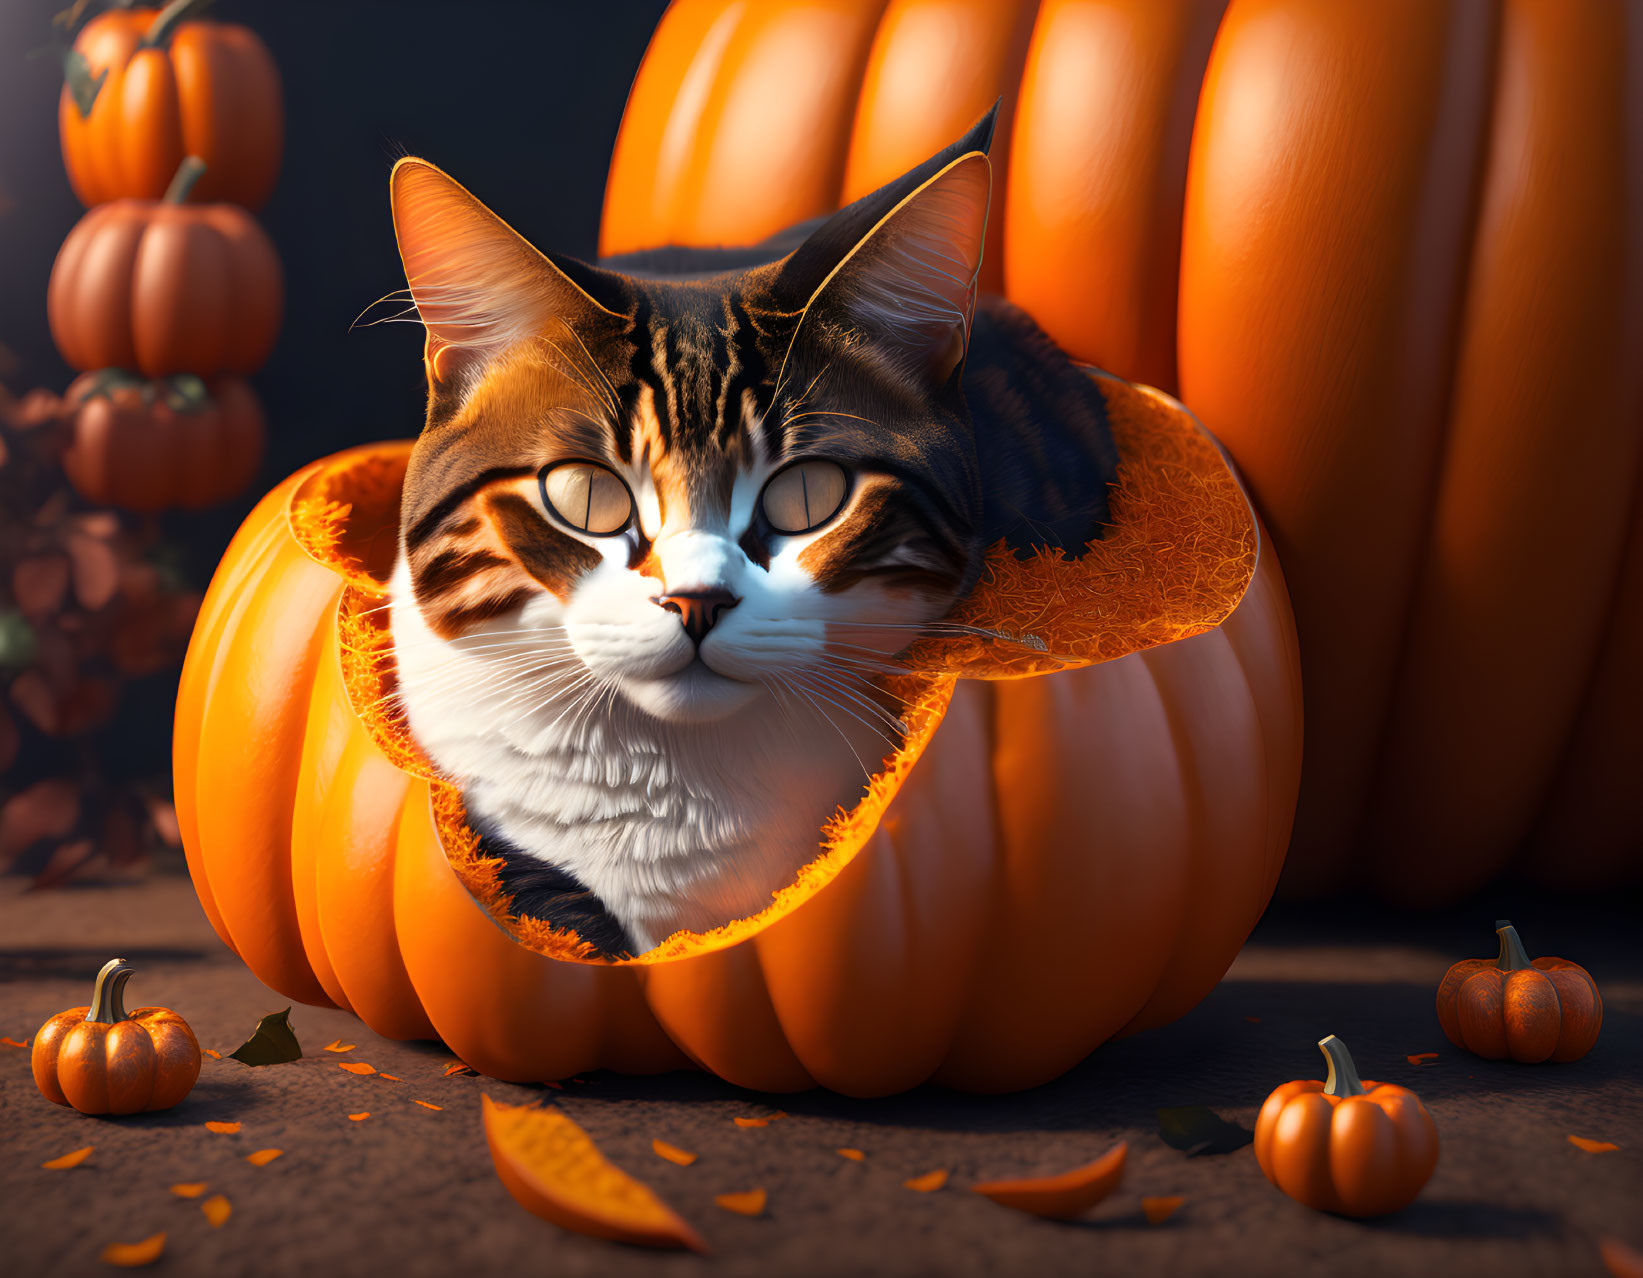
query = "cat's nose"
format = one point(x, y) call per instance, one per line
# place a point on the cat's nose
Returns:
point(698, 609)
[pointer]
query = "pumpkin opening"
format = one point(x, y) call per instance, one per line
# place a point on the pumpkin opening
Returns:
point(1175, 561)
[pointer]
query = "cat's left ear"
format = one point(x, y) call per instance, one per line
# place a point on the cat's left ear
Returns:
point(909, 284)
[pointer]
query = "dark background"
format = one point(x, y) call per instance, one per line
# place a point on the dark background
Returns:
point(520, 100)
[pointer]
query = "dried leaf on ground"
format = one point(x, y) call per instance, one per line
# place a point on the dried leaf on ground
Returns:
point(1422, 1058)
point(854, 1155)
point(749, 1202)
point(12, 1042)
point(338, 1045)
point(71, 1159)
point(392, 1078)
point(217, 1210)
point(751, 1122)
point(359, 1118)
point(1592, 1146)
point(1620, 1260)
point(555, 1171)
point(456, 1068)
point(212, 1053)
point(1196, 1129)
point(1158, 1210)
point(190, 1188)
point(1063, 1196)
point(672, 1153)
point(428, 1105)
point(263, 1157)
point(929, 1182)
point(132, 1255)
point(272, 1043)
point(358, 1067)
point(224, 1129)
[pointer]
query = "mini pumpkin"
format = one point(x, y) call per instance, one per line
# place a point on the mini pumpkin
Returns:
point(147, 447)
point(1546, 1009)
point(144, 87)
point(161, 287)
point(1344, 1145)
point(102, 1061)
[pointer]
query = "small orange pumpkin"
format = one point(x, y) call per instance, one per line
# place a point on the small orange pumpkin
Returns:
point(145, 446)
point(144, 87)
point(102, 1061)
point(161, 287)
point(1347, 1146)
point(1512, 1007)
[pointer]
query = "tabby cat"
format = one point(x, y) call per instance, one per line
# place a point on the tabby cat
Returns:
point(671, 515)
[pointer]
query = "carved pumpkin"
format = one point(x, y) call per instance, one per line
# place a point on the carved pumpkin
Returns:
point(102, 1061)
point(160, 287)
point(1047, 862)
point(1545, 1010)
point(145, 87)
point(1389, 253)
point(148, 447)
point(1344, 1145)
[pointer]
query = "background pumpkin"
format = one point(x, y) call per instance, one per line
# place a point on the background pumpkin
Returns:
point(1512, 1007)
point(145, 87)
point(160, 287)
point(1401, 280)
point(148, 447)
point(1074, 856)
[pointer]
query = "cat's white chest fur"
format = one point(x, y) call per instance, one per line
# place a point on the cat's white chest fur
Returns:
point(671, 825)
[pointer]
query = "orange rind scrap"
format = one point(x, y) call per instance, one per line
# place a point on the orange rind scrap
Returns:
point(555, 1171)
point(1064, 1196)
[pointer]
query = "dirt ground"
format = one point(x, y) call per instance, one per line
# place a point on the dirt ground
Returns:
point(410, 1190)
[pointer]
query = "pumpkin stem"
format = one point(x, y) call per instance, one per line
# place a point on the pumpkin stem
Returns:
point(162, 27)
point(1513, 957)
point(108, 995)
point(1343, 1074)
point(190, 171)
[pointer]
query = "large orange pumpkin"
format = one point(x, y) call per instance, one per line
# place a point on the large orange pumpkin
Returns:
point(160, 287)
point(1061, 852)
point(1392, 254)
point(145, 87)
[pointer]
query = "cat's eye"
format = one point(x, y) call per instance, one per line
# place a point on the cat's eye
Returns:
point(804, 496)
point(588, 497)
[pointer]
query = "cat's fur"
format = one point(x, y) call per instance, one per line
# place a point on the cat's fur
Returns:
point(635, 783)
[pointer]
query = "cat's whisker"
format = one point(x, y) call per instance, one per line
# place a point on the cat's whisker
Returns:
point(834, 682)
point(815, 698)
point(809, 680)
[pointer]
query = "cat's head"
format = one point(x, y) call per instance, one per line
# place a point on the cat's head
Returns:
point(700, 488)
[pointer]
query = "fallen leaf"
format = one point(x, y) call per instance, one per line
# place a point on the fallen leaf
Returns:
point(1195, 1129)
point(1253, 1020)
point(854, 1155)
point(929, 1182)
point(392, 1078)
point(1620, 1260)
point(225, 1129)
point(359, 1118)
point(71, 1159)
point(357, 1067)
point(457, 1067)
point(12, 1042)
point(263, 1157)
point(555, 1171)
point(429, 1105)
point(1064, 1196)
point(780, 1113)
point(1158, 1210)
point(217, 1210)
point(190, 1188)
point(672, 1153)
point(339, 1046)
point(751, 1122)
point(214, 1055)
point(131, 1255)
point(271, 1043)
point(1592, 1146)
point(1421, 1058)
point(558, 1087)
point(748, 1203)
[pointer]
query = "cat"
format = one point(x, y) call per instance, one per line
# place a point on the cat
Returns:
point(671, 514)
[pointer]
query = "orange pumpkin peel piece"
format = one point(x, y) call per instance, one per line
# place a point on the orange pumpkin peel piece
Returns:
point(1064, 1196)
point(555, 1171)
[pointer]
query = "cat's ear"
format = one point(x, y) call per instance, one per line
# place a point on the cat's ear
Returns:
point(910, 284)
point(479, 286)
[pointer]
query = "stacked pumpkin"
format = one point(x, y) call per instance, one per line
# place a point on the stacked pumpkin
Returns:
point(167, 293)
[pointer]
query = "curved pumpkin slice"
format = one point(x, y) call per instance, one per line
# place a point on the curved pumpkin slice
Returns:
point(1065, 1196)
point(555, 1171)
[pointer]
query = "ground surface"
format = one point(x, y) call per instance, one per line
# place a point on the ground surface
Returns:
point(410, 1190)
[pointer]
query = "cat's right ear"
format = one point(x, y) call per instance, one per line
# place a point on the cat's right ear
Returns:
point(478, 285)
